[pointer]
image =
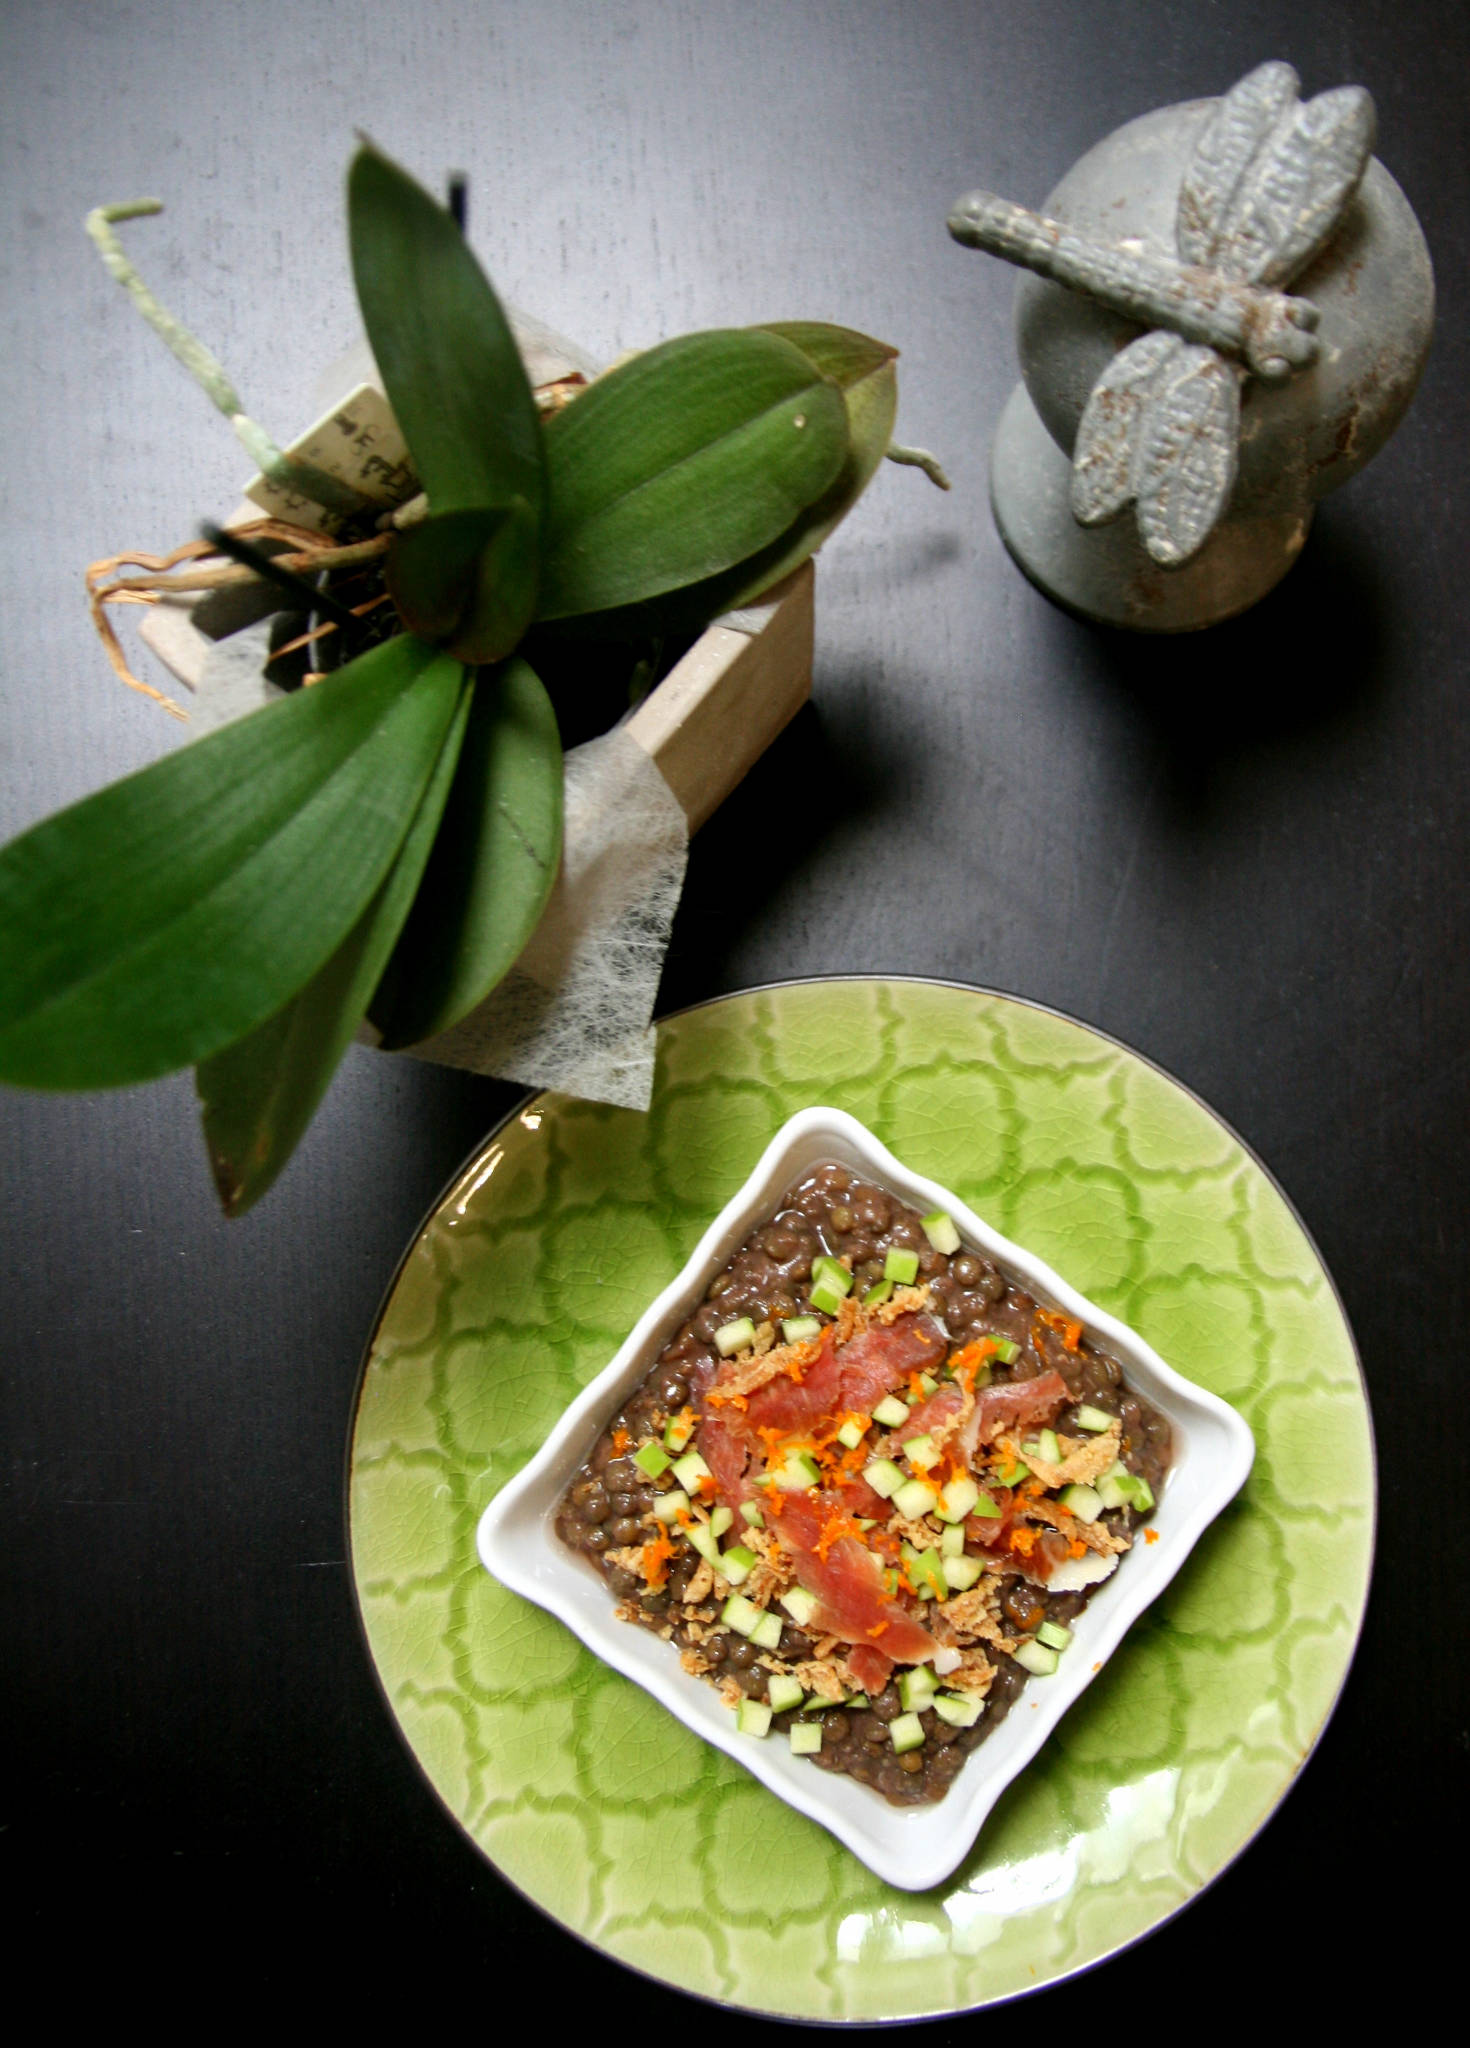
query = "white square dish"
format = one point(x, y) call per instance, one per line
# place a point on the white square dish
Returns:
point(911, 1847)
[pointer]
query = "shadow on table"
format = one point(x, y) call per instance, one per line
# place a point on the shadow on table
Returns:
point(765, 832)
point(1308, 662)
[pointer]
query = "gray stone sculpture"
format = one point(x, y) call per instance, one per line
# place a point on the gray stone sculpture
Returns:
point(1238, 405)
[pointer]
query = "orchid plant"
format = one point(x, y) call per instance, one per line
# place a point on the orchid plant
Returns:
point(381, 844)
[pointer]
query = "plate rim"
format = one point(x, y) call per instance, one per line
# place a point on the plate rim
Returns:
point(1025, 1991)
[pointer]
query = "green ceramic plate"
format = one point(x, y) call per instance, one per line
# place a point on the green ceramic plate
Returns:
point(537, 1262)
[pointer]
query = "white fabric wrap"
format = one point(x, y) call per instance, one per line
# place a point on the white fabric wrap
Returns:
point(575, 1011)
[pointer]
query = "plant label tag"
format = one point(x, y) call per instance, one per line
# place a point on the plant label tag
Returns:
point(357, 441)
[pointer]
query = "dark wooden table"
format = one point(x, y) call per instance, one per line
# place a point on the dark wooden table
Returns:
point(1245, 854)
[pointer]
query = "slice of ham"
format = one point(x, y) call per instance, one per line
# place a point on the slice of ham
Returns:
point(853, 1601)
point(852, 1379)
point(837, 1382)
point(869, 1667)
point(1020, 1404)
point(726, 1451)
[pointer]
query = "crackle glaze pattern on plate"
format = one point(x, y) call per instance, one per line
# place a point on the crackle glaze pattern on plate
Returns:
point(612, 1816)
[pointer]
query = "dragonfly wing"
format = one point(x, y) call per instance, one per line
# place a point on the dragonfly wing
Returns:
point(1188, 445)
point(1107, 438)
point(1293, 193)
point(1240, 128)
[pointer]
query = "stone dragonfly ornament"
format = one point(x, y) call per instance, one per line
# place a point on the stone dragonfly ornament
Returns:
point(1260, 184)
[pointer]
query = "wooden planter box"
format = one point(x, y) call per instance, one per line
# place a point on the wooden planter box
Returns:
point(712, 716)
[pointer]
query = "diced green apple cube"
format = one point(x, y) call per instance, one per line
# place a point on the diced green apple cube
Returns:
point(799, 1604)
point(766, 1635)
point(1094, 1419)
point(740, 1614)
point(1036, 1658)
point(901, 1265)
point(939, 1228)
point(916, 1688)
point(852, 1432)
point(736, 1336)
point(784, 1691)
point(678, 1430)
point(891, 1412)
point(914, 1498)
point(825, 1267)
point(929, 1567)
point(796, 1472)
point(690, 1469)
point(737, 1563)
point(905, 1732)
point(1085, 1502)
point(958, 1499)
point(669, 1506)
point(884, 1477)
point(960, 1573)
point(806, 1738)
point(1120, 1488)
point(959, 1711)
point(753, 1717)
point(652, 1458)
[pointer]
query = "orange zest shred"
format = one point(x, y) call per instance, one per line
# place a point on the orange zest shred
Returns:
point(1150, 1535)
point(655, 1559)
point(834, 1529)
point(966, 1364)
point(1066, 1328)
point(1076, 1548)
point(621, 1440)
point(1022, 1540)
point(880, 1630)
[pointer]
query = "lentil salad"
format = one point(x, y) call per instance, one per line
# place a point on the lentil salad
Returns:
point(868, 1486)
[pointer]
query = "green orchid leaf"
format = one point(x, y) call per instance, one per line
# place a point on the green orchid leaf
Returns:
point(863, 369)
point(451, 369)
point(156, 922)
point(258, 1095)
point(454, 579)
point(493, 865)
point(850, 359)
point(682, 463)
